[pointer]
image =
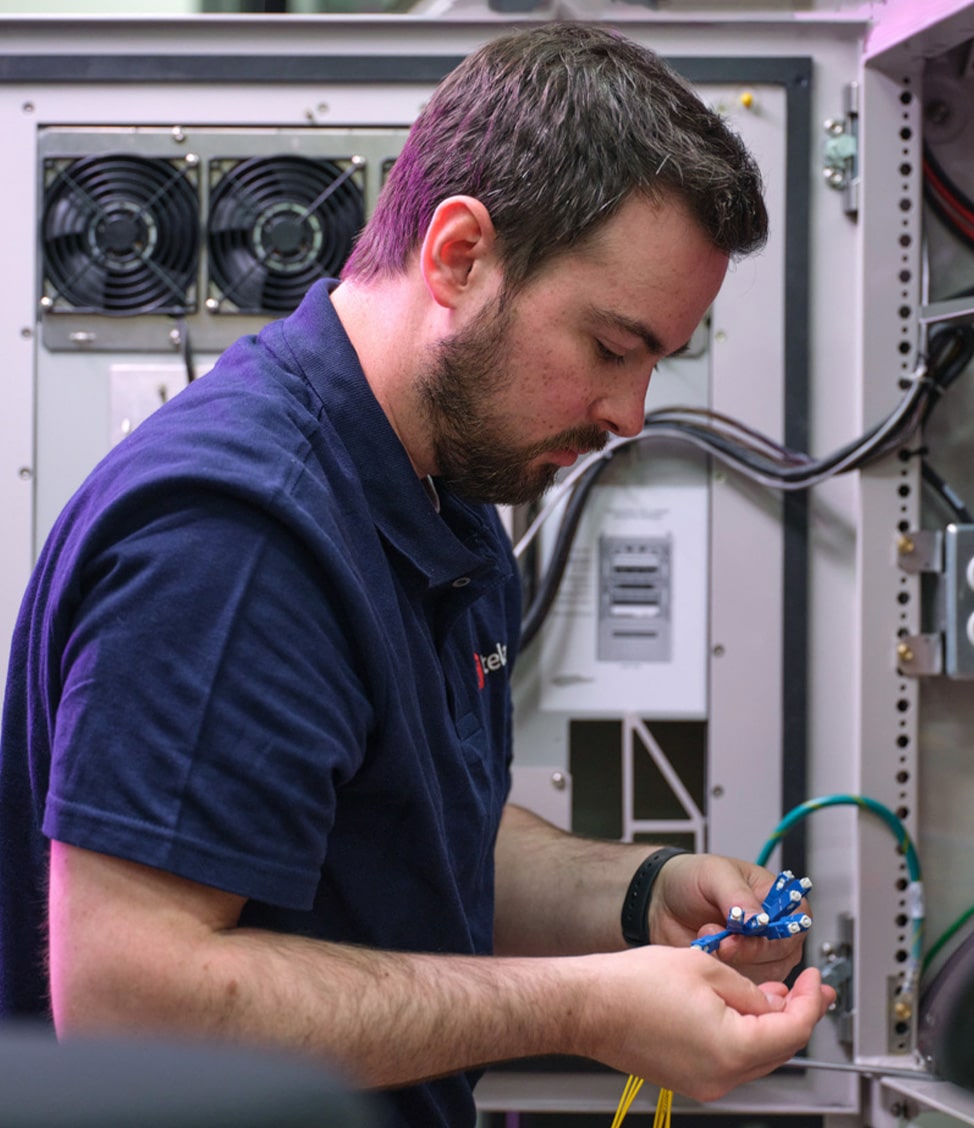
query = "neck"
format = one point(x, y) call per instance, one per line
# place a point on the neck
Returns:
point(386, 328)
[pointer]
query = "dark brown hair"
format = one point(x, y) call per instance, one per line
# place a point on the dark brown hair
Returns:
point(552, 129)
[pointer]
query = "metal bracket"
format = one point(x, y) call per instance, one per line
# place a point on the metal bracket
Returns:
point(840, 154)
point(958, 590)
point(836, 971)
point(901, 1011)
point(947, 648)
point(920, 655)
point(920, 550)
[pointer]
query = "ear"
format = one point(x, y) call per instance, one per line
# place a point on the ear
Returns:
point(457, 257)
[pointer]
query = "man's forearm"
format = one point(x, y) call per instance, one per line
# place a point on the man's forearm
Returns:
point(385, 1018)
point(137, 949)
point(558, 894)
point(133, 948)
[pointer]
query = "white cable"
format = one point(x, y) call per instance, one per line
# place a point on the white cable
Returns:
point(672, 423)
point(566, 483)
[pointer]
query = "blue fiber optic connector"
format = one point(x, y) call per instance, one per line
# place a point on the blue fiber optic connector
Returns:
point(775, 921)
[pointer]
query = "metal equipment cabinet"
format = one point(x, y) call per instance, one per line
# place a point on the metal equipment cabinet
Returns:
point(807, 683)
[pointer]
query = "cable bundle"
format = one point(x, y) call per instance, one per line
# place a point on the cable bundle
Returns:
point(782, 896)
point(664, 1104)
point(756, 456)
point(947, 200)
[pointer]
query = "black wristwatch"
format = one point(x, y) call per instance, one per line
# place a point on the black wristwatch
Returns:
point(635, 908)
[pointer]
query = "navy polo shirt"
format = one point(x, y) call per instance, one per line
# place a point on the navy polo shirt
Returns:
point(254, 654)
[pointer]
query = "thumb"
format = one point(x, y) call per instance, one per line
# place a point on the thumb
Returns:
point(809, 993)
point(775, 992)
point(745, 997)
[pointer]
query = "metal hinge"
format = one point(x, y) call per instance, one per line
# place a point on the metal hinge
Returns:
point(948, 647)
point(840, 155)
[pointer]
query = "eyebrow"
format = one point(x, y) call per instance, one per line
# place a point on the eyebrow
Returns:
point(637, 329)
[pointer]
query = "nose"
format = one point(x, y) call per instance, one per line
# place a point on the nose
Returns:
point(624, 411)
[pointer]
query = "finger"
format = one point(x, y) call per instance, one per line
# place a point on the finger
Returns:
point(775, 1001)
point(745, 997)
point(708, 930)
point(760, 959)
point(778, 1035)
point(774, 988)
point(825, 993)
point(809, 995)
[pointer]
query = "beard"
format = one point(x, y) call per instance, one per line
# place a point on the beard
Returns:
point(474, 457)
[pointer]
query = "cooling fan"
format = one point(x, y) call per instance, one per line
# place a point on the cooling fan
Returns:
point(120, 235)
point(277, 224)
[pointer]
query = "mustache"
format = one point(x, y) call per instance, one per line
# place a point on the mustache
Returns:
point(581, 439)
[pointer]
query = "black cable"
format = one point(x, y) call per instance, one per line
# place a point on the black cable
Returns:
point(946, 493)
point(186, 350)
point(799, 474)
point(941, 193)
point(547, 589)
point(950, 351)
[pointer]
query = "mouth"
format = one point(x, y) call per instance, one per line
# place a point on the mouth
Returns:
point(563, 458)
point(570, 446)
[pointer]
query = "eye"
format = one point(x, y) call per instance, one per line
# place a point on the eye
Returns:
point(606, 354)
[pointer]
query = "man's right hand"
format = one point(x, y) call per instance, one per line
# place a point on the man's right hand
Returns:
point(681, 1019)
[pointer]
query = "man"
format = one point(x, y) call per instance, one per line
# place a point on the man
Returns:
point(248, 738)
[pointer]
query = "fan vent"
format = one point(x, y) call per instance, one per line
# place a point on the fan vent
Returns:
point(120, 235)
point(276, 225)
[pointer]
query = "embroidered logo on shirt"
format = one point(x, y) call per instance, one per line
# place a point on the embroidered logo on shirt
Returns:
point(488, 663)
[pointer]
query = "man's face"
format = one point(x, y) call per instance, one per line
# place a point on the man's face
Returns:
point(528, 385)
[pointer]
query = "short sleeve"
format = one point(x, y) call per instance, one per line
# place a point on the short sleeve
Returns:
point(212, 703)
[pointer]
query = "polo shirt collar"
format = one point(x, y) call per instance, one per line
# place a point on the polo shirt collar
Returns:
point(455, 547)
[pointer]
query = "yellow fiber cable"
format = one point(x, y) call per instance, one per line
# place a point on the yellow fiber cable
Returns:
point(664, 1104)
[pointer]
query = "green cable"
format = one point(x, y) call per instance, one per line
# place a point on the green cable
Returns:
point(796, 814)
point(946, 936)
point(903, 840)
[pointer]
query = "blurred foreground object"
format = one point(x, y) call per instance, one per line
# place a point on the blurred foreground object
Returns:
point(141, 1083)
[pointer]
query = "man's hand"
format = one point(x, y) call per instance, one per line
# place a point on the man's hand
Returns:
point(691, 898)
point(133, 949)
point(685, 1021)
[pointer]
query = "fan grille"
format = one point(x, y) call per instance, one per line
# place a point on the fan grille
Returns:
point(276, 225)
point(120, 234)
